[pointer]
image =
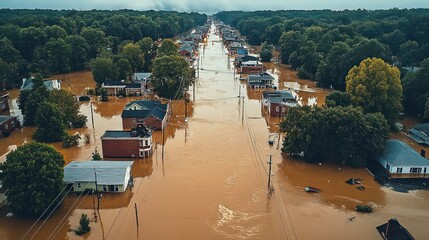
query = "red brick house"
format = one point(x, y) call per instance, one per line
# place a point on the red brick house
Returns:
point(150, 113)
point(4, 103)
point(136, 143)
point(8, 124)
point(278, 102)
point(252, 67)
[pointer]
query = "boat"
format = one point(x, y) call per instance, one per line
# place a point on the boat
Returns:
point(312, 189)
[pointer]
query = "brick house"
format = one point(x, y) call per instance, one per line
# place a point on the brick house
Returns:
point(4, 103)
point(252, 67)
point(136, 143)
point(150, 113)
point(278, 102)
point(8, 124)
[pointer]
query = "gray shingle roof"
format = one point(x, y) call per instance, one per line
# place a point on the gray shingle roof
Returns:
point(152, 108)
point(398, 153)
point(4, 118)
point(108, 172)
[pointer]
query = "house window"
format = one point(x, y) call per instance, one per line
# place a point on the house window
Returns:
point(415, 170)
point(399, 170)
point(283, 109)
point(146, 143)
point(6, 126)
point(116, 188)
point(134, 120)
point(79, 185)
point(12, 124)
point(142, 143)
point(277, 109)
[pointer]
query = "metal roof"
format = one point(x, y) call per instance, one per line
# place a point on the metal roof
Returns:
point(398, 153)
point(108, 172)
point(4, 118)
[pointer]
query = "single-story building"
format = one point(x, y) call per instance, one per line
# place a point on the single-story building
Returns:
point(136, 143)
point(419, 133)
point(402, 161)
point(8, 124)
point(278, 102)
point(27, 84)
point(104, 176)
point(142, 77)
point(4, 103)
point(119, 87)
point(261, 80)
point(150, 113)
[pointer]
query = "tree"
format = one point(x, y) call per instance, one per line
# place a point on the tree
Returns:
point(79, 51)
point(408, 52)
point(124, 69)
point(289, 41)
point(266, 52)
point(49, 123)
point(133, 54)
point(83, 225)
point(103, 69)
point(416, 89)
point(32, 178)
point(149, 49)
point(376, 87)
point(69, 107)
point(59, 53)
point(342, 135)
point(426, 112)
point(338, 99)
point(170, 74)
point(30, 101)
point(167, 48)
point(96, 39)
point(96, 156)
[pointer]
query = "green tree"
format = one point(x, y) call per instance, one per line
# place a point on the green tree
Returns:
point(170, 75)
point(83, 225)
point(342, 135)
point(96, 40)
point(103, 69)
point(69, 107)
point(55, 32)
point(416, 89)
point(266, 52)
point(408, 52)
point(124, 69)
point(376, 87)
point(59, 53)
point(134, 55)
point(32, 178)
point(289, 41)
point(96, 156)
point(50, 123)
point(426, 112)
point(338, 99)
point(149, 49)
point(79, 51)
point(30, 101)
point(167, 48)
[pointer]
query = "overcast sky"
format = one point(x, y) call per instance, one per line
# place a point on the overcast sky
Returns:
point(213, 6)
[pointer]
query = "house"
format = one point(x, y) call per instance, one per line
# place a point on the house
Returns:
point(143, 78)
point(8, 124)
point(115, 88)
point(278, 102)
point(135, 143)
point(186, 51)
point(402, 161)
point(419, 133)
point(261, 80)
point(393, 230)
point(103, 176)
point(234, 46)
point(252, 67)
point(4, 103)
point(242, 52)
point(150, 113)
point(27, 84)
point(245, 58)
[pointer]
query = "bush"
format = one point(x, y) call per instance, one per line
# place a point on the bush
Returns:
point(364, 208)
point(84, 225)
point(69, 141)
point(79, 121)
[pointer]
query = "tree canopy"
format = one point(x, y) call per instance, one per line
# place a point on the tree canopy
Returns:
point(416, 89)
point(376, 87)
point(342, 135)
point(32, 178)
point(50, 123)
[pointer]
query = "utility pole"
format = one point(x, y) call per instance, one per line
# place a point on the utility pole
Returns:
point(163, 143)
point(137, 215)
point(239, 91)
point(92, 116)
point(96, 190)
point(269, 174)
point(242, 110)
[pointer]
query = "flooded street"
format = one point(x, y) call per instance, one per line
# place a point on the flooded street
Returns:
point(212, 182)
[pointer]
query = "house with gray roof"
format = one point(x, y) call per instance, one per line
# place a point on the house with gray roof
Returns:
point(402, 161)
point(151, 113)
point(278, 102)
point(115, 88)
point(261, 80)
point(104, 176)
point(419, 133)
point(27, 84)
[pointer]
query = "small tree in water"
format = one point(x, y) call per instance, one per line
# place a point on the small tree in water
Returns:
point(84, 225)
point(96, 156)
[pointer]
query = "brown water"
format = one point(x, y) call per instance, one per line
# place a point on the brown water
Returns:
point(212, 182)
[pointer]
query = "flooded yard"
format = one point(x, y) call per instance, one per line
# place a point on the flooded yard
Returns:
point(212, 182)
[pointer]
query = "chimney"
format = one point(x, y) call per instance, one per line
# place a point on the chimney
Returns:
point(423, 153)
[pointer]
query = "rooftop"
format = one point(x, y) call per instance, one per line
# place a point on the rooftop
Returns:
point(398, 153)
point(108, 172)
point(4, 118)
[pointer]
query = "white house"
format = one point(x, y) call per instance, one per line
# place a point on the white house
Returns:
point(402, 161)
point(111, 176)
point(27, 84)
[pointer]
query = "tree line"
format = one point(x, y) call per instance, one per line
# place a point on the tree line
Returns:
point(59, 41)
point(323, 45)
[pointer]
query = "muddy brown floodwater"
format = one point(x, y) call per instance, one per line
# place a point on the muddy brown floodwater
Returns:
point(212, 182)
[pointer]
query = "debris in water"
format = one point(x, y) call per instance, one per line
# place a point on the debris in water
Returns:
point(312, 189)
point(361, 188)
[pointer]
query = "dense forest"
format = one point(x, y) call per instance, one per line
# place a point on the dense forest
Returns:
point(323, 45)
point(59, 41)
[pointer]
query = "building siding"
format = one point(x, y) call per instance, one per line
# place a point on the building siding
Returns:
point(120, 148)
point(6, 127)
